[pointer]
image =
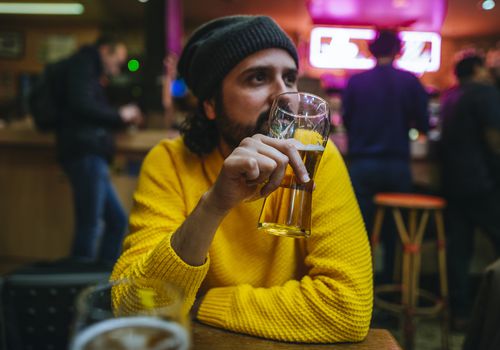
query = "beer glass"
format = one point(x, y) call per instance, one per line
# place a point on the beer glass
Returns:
point(149, 317)
point(306, 119)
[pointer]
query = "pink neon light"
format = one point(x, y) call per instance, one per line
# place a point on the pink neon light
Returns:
point(338, 48)
point(427, 61)
point(423, 15)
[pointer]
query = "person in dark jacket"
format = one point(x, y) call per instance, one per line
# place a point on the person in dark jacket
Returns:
point(470, 158)
point(379, 108)
point(85, 147)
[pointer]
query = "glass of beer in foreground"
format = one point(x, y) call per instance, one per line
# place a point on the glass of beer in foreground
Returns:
point(149, 317)
point(306, 119)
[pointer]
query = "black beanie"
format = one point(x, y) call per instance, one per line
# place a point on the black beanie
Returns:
point(219, 45)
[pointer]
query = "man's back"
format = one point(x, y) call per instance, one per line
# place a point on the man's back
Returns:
point(87, 117)
point(467, 111)
point(380, 106)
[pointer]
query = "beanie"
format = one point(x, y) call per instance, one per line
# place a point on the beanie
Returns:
point(219, 45)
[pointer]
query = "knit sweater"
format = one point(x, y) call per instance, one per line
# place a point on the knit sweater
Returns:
point(317, 289)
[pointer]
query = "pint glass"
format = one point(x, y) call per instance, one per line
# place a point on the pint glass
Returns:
point(305, 118)
point(150, 317)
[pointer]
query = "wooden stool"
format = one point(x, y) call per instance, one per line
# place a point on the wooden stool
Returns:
point(411, 236)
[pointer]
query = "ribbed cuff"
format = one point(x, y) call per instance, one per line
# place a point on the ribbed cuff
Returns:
point(168, 266)
point(215, 306)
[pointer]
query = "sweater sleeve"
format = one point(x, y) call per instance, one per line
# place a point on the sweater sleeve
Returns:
point(333, 302)
point(159, 209)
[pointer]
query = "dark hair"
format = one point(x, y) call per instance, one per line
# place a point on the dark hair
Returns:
point(464, 69)
point(387, 43)
point(107, 39)
point(200, 134)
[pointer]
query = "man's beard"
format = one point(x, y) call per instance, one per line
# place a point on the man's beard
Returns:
point(233, 132)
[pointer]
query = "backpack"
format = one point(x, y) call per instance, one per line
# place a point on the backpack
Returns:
point(44, 98)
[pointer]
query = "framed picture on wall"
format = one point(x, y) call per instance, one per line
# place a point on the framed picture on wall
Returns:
point(11, 44)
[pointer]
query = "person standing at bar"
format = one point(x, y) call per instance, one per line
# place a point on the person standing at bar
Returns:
point(470, 157)
point(85, 146)
point(192, 224)
point(379, 108)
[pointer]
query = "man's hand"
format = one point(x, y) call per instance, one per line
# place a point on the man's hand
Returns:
point(131, 114)
point(259, 162)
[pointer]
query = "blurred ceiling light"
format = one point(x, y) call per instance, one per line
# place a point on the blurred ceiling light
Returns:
point(400, 3)
point(36, 8)
point(143, 1)
point(488, 5)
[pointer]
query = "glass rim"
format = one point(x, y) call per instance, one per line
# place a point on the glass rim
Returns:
point(101, 286)
point(318, 115)
point(89, 333)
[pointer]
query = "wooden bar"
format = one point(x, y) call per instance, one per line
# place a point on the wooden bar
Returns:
point(36, 211)
point(209, 338)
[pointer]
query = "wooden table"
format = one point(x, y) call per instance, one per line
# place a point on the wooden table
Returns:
point(210, 338)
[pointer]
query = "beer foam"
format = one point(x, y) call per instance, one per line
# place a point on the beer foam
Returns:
point(302, 147)
point(181, 339)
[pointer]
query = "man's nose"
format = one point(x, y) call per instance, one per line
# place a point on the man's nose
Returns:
point(279, 88)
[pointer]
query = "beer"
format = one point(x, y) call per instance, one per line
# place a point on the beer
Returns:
point(132, 333)
point(287, 211)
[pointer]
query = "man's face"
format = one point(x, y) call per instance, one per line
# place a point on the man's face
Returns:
point(248, 92)
point(113, 59)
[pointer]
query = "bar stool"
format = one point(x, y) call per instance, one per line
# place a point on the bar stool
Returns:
point(419, 208)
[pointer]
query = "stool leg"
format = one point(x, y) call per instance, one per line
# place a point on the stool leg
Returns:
point(443, 276)
point(405, 240)
point(396, 275)
point(417, 254)
point(406, 295)
point(377, 228)
point(414, 259)
point(413, 270)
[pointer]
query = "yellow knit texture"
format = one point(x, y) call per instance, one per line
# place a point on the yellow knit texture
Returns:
point(303, 290)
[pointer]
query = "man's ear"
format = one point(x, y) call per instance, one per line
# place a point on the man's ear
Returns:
point(209, 108)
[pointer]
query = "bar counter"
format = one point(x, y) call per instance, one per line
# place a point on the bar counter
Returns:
point(36, 211)
point(126, 142)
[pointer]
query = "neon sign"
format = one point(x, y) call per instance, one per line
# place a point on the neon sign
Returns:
point(347, 48)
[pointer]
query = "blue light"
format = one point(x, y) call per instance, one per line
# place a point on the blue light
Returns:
point(178, 88)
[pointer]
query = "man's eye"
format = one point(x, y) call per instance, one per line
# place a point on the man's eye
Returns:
point(259, 77)
point(290, 79)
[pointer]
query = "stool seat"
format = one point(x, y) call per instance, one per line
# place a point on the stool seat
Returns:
point(409, 200)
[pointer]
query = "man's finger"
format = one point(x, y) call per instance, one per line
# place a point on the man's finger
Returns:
point(290, 148)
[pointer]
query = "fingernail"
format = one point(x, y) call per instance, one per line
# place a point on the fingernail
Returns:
point(306, 178)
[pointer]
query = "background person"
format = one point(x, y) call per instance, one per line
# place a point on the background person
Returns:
point(85, 146)
point(379, 108)
point(470, 159)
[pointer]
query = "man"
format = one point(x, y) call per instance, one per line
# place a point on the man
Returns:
point(85, 146)
point(470, 155)
point(193, 226)
point(379, 108)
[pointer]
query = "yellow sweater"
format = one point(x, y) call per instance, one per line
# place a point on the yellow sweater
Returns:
point(304, 290)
